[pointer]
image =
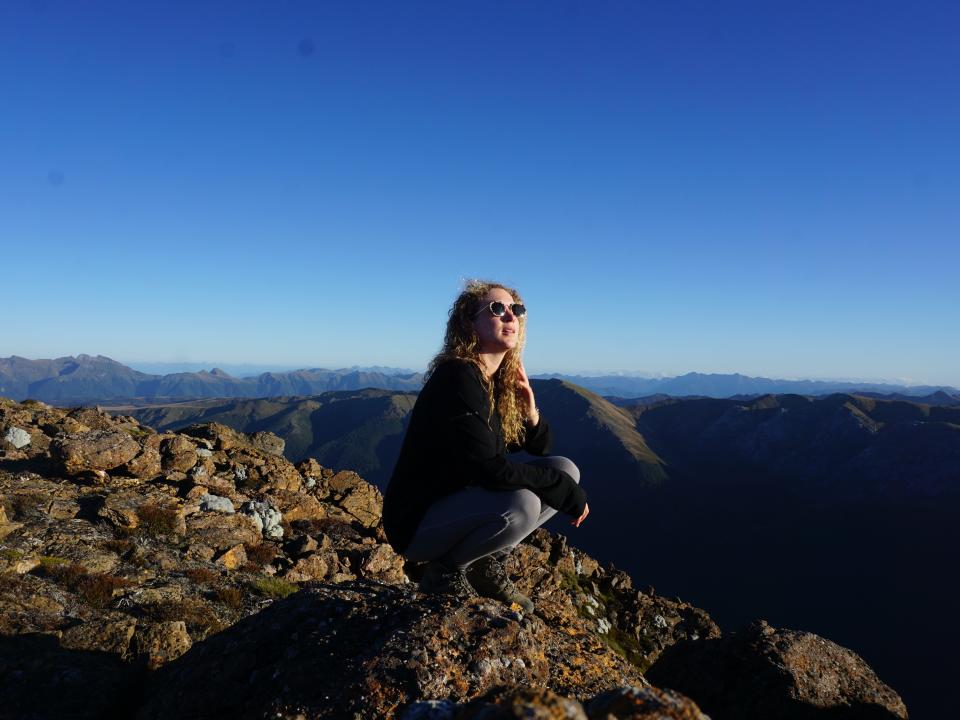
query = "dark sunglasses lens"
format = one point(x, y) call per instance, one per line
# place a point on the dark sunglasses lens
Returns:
point(498, 308)
point(518, 310)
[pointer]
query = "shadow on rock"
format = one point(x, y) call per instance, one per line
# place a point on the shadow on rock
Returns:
point(39, 679)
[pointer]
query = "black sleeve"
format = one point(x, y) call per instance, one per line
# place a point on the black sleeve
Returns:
point(474, 446)
point(538, 440)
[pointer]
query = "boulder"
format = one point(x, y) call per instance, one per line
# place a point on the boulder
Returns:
point(95, 450)
point(375, 648)
point(763, 672)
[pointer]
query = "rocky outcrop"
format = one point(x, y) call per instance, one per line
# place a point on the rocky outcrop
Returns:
point(200, 574)
point(765, 672)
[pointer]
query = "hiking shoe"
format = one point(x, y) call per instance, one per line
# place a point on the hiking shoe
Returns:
point(438, 579)
point(490, 579)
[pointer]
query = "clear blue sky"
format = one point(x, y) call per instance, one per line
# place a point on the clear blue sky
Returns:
point(770, 188)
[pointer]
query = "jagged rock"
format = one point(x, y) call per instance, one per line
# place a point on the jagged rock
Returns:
point(312, 567)
point(538, 704)
point(215, 503)
point(219, 435)
point(177, 454)
point(161, 642)
point(297, 506)
point(109, 634)
point(268, 442)
point(147, 464)
point(376, 648)
point(233, 558)
point(643, 703)
point(265, 517)
point(102, 449)
point(763, 672)
point(382, 563)
point(359, 499)
point(220, 531)
point(18, 437)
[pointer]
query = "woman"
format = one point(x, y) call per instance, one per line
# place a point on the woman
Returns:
point(454, 499)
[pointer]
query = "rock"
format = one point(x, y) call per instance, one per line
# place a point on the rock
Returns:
point(312, 567)
point(375, 648)
point(382, 563)
point(94, 450)
point(298, 506)
point(215, 503)
point(762, 672)
point(233, 558)
point(177, 454)
point(18, 437)
point(643, 703)
point(520, 704)
point(268, 442)
point(109, 635)
point(265, 517)
point(220, 531)
point(147, 464)
point(161, 642)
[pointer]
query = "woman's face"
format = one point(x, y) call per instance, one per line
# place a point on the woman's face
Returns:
point(497, 334)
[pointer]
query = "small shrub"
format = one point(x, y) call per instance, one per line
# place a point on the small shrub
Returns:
point(274, 587)
point(26, 504)
point(337, 529)
point(231, 597)
point(155, 520)
point(11, 554)
point(262, 554)
point(196, 615)
point(120, 546)
point(201, 575)
point(97, 588)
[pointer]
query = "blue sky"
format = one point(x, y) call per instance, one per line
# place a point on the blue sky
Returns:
point(770, 188)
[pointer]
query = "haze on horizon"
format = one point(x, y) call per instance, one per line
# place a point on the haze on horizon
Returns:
point(759, 188)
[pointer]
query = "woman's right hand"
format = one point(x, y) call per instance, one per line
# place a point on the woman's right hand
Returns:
point(586, 511)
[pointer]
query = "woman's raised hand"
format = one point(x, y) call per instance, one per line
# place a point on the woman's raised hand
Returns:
point(526, 392)
point(586, 511)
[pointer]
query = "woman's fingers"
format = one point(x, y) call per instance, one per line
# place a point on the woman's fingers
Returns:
point(586, 511)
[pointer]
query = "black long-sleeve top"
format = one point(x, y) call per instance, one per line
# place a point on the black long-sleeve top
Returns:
point(450, 445)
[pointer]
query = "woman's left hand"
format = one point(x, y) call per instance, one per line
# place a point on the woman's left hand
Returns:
point(526, 393)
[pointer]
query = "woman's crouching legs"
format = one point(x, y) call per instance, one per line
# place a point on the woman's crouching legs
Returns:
point(476, 522)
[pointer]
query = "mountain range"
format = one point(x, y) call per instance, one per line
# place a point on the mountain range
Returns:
point(87, 379)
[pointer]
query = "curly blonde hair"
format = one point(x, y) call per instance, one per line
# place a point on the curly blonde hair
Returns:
point(461, 343)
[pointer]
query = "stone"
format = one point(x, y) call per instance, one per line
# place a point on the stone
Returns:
point(178, 454)
point(220, 531)
point(312, 567)
point(233, 558)
point(161, 642)
point(268, 442)
point(18, 437)
point(94, 450)
point(643, 703)
point(767, 672)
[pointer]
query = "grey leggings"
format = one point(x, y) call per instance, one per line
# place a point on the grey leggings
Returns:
point(475, 522)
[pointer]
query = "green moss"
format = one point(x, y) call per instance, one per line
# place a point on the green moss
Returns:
point(274, 587)
point(11, 554)
point(138, 433)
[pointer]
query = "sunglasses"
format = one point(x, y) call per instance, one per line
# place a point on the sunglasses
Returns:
point(498, 309)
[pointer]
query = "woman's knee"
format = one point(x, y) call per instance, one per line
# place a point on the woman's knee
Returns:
point(558, 462)
point(524, 509)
